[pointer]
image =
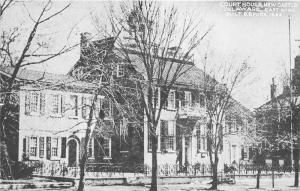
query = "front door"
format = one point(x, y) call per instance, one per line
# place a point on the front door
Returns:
point(72, 152)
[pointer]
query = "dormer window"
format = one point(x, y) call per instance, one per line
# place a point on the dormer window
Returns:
point(187, 99)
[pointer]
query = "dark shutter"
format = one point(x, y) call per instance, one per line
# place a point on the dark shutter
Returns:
point(24, 146)
point(48, 140)
point(177, 100)
point(42, 103)
point(96, 148)
point(63, 109)
point(82, 142)
point(83, 107)
point(63, 147)
point(250, 153)
point(242, 153)
point(27, 103)
point(163, 134)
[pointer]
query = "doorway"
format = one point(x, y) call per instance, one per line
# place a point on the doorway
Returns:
point(72, 144)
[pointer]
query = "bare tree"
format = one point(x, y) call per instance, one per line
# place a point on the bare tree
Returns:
point(219, 103)
point(17, 52)
point(97, 66)
point(159, 45)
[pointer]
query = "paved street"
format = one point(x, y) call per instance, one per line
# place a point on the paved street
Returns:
point(282, 184)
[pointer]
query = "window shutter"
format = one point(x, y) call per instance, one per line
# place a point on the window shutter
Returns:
point(163, 134)
point(242, 153)
point(251, 153)
point(63, 108)
point(63, 147)
point(48, 148)
point(82, 142)
point(27, 145)
point(42, 103)
point(27, 103)
point(84, 107)
point(24, 146)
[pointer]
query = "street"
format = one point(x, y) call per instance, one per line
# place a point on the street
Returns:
point(281, 184)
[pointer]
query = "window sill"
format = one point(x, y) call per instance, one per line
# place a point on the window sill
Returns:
point(34, 158)
point(107, 158)
point(91, 158)
point(56, 115)
point(73, 117)
point(35, 114)
point(54, 158)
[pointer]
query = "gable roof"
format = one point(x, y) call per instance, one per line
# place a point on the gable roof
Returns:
point(45, 77)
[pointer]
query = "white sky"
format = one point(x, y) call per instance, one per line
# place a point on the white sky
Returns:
point(264, 40)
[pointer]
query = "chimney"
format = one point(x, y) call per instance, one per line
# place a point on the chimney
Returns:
point(273, 89)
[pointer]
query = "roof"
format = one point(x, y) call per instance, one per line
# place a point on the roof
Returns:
point(45, 77)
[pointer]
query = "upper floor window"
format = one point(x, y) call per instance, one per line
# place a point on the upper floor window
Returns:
point(120, 70)
point(167, 135)
point(34, 102)
point(74, 105)
point(171, 99)
point(55, 104)
point(187, 98)
point(202, 100)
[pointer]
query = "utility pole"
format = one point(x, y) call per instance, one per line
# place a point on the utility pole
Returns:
point(290, 62)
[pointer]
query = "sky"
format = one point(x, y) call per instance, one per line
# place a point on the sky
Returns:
point(262, 40)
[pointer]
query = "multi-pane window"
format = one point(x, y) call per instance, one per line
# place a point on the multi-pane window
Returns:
point(74, 105)
point(201, 138)
point(54, 147)
point(55, 104)
point(33, 146)
point(106, 147)
point(171, 100)
point(34, 102)
point(41, 147)
point(187, 99)
point(106, 106)
point(202, 100)
point(167, 135)
point(91, 148)
point(120, 70)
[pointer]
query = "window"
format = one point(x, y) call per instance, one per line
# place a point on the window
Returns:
point(91, 148)
point(201, 138)
point(187, 99)
point(42, 147)
point(245, 153)
point(74, 105)
point(202, 100)
point(167, 135)
point(33, 146)
point(54, 147)
point(171, 99)
point(106, 147)
point(55, 104)
point(120, 70)
point(34, 102)
point(97, 107)
point(106, 106)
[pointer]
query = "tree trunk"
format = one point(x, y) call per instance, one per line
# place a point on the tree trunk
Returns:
point(296, 163)
point(214, 185)
point(258, 177)
point(82, 171)
point(154, 164)
point(5, 167)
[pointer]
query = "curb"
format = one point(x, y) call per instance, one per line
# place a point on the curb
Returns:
point(35, 185)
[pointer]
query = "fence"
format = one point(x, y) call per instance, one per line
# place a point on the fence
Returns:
point(97, 170)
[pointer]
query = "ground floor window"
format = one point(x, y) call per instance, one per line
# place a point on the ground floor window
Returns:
point(91, 148)
point(201, 138)
point(107, 147)
point(54, 147)
point(167, 135)
point(33, 146)
point(42, 147)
